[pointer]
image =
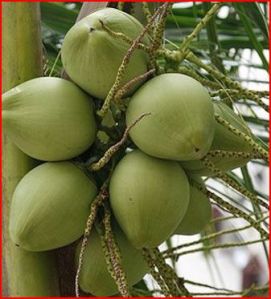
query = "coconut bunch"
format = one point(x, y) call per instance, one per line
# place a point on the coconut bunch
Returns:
point(155, 188)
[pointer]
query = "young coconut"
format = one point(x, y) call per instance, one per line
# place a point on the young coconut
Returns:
point(91, 56)
point(95, 278)
point(49, 119)
point(198, 213)
point(226, 141)
point(149, 198)
point(181, 124)
point(50, 206)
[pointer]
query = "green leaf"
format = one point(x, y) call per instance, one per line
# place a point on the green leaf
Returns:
point(249, 28)
point(214, 45)
point(57, 17)
point(254, 10)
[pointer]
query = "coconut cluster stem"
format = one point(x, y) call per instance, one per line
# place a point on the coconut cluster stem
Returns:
point(231, 154)
point(205, 82)
point(168, 276)
point(126, 87)
point(170, 283)
point(146, 11)
point(123, 37)
point(232, 209)
point(232, 87)
point(97, 202)
point(257, 148)
point(243, 293)
point(113, 255)
point(106, 105)
point(206, 286)
point(233, 184)
point(155, 274)
point(171, 278)
point(236, 93)
point(114, 148)
point(228, 82)
point(208, 16)
point(212, 236)
point(222, 218)
point(182, 52)
point(216, 246)
point(158, 33)
point(224, 290)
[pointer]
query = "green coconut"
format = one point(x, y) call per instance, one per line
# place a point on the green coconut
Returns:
point(149, 198)
point(50, 206)
point(95, 278)
point(181, 124)
point(198, 213)
point(91, 56)
point(226, 141)
point(49, 119)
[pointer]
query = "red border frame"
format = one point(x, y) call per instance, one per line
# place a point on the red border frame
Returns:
point(138, 1)
point(1, 292)
point(1, 119)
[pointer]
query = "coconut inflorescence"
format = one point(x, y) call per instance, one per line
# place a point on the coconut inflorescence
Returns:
point(150, 185)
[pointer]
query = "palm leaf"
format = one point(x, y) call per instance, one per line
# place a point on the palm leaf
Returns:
point(248, 25)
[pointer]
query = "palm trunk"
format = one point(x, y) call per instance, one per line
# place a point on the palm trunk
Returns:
point(24, 273)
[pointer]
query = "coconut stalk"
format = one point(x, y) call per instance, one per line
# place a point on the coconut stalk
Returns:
point(24, 273)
